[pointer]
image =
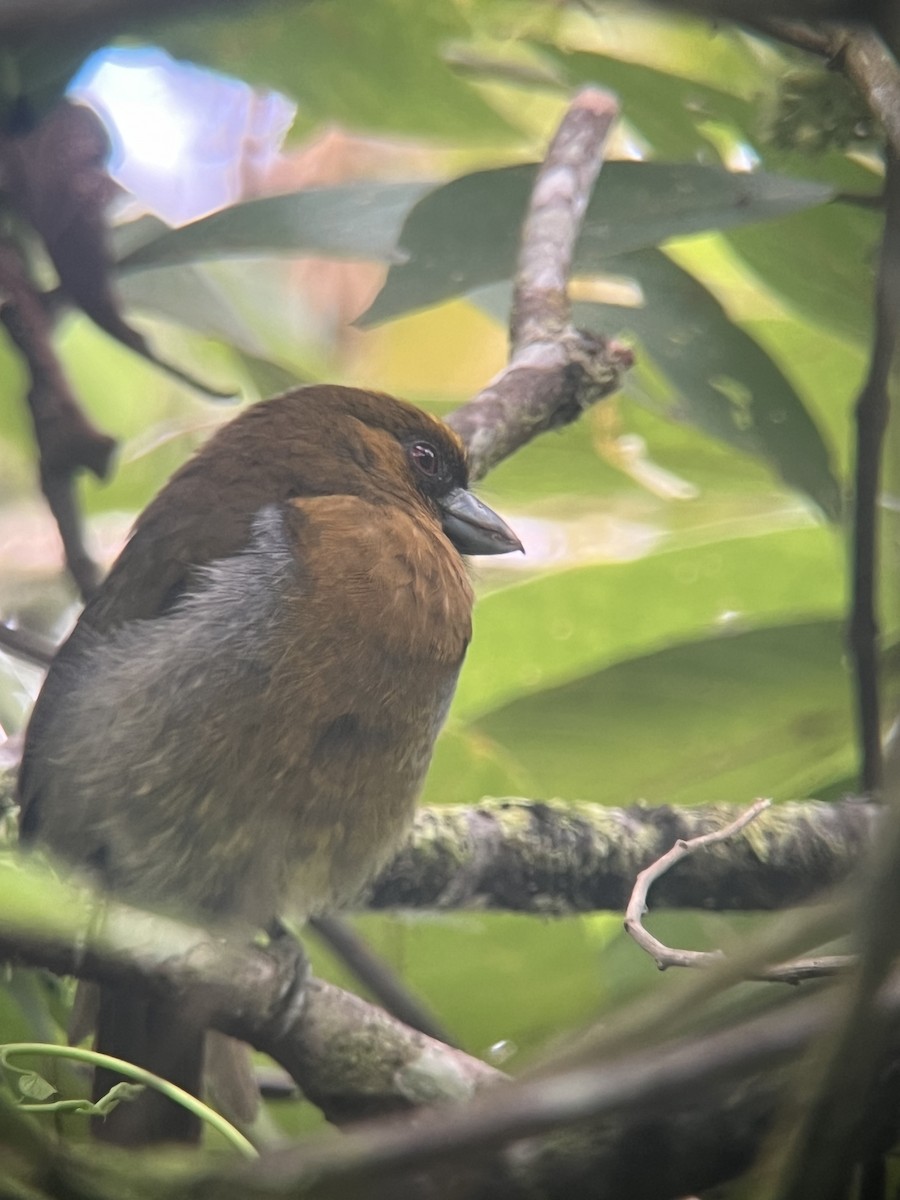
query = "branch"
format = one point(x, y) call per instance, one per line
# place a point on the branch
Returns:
point(555, 371)
point(377, 976)
point(556, 857)
point(350, 1058)
point(826, 1148)
point(355, 1061)
point(709, 1099)
point(700, 1107)
point(870, 66)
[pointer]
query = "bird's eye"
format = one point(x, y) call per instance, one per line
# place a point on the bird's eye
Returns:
point(425, 458)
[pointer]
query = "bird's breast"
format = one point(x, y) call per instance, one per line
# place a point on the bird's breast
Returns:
point(380, 629)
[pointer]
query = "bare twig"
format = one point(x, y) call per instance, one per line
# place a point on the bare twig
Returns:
point(636, 907)
point(374, 973)
point(665, 956)
point(66, 439)
point(555, 371)
point(872, 410)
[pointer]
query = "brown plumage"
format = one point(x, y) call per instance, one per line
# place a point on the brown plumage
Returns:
point(243, 716)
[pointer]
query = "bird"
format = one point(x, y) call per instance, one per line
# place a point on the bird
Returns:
point(241, 720)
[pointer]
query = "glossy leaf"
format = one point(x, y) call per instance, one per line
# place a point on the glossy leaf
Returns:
point(725, 382)
point(375, 67)
point(467, 965)
point(821, 263)
point(190, 298)
point(467, 765)
point(727, 718)
point(354, 221)
point(254, 307)
point(466, 233)
point(567, 624)
point(668, 110)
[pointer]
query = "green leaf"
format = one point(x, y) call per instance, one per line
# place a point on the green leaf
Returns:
point(375, 67)
point(821, 262)
point(565, 476)
point(727, 385)
point(252, 305)
point(466, 233)
point(668, 110)
point(466, 966)
point(567, 624)
point(467, 766)
point(354, 221)
point(35, 1087)
point(187, 295)
point(826, 369)
point(764, 713)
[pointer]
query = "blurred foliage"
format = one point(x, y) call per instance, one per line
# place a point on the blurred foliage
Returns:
point(674, 633)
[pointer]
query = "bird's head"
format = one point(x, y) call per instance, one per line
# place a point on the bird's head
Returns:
point(347, 441)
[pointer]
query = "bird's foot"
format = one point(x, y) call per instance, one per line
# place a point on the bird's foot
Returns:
point(294, 970)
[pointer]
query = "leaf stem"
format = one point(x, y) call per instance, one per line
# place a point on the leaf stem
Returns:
point(139, 1075)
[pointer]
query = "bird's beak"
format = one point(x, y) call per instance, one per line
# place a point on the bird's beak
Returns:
point(473, 528)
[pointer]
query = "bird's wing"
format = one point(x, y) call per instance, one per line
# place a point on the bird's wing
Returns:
point(193, 523)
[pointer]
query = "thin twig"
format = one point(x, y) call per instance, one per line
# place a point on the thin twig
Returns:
point(872, 411)
point(665, 956)
point(869, 64)
point(66, 439)
point(555, 371)
point(374, 973)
